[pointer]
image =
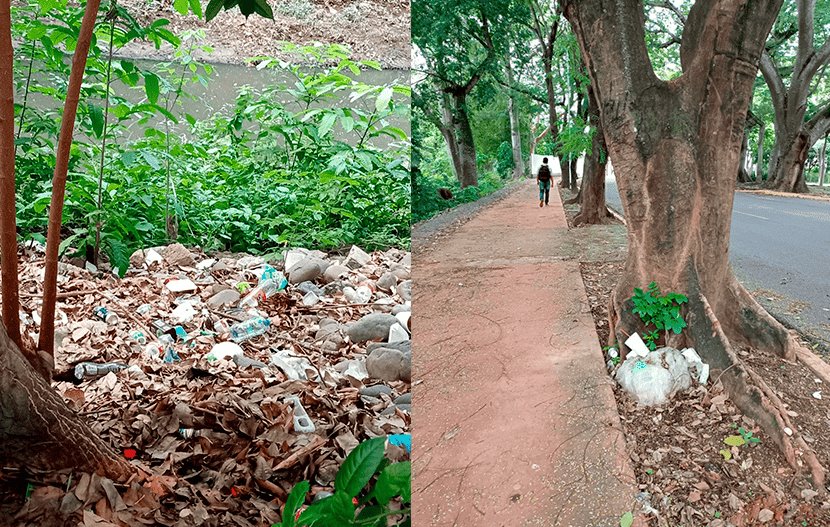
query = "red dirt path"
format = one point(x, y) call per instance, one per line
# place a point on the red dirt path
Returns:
point(515, 423)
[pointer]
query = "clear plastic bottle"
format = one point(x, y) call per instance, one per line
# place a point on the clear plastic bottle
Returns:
point(249, 329)
point(266, 289)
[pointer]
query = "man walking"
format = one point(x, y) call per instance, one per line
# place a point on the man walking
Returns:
point(543, 178)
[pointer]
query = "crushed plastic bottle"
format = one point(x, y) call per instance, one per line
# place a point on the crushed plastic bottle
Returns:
point(91, 370)
point(302, 422)
point(266, 289)
point(138, 337)
point(106, 315)
point(249, 329)
point(143, 309)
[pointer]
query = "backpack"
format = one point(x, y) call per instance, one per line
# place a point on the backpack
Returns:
point(544, 173)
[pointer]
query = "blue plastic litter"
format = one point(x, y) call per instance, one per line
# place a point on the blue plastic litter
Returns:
point(170, 355)
point(404, 440)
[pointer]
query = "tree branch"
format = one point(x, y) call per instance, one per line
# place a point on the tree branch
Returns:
point(774, 81)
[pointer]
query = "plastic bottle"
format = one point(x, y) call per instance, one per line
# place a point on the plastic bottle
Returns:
point(90, 370)
point(249, 329)
point(266, 289)
point(105, 315)
point(138, 337)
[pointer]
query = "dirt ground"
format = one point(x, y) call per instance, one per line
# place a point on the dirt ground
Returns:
point(374, 29)
point(678, 450)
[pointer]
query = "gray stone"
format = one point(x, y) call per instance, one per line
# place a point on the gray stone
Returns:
point(401, 308)
point(387, 282)
point(329, 347)
point(389, 365)
point(325, 332)
point(404, 399)
point(405, 290)
point(407, 260)
point(357, 258)
point(308, 269)
point(327, 321)
point(402, 407)
point(310, 287)
point(403, 346)
point(374, 326)
point(225, 297)
point(245, 362)
point(334, 272)
point(402, 274)
point(377, 389)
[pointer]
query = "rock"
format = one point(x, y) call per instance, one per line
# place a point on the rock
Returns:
point(334, 272)
point(329, 347)
point(327, 331)
point(808, 494)
point(374, 391)
point(374, 326)
point(295, 256)
point(225, 297)
point(765, 515)
point(361, 295)
point(306, 270)
point(327, 322)
point(401, 308)
point(402, 274)
point(177, 254)
point(405, 290)
point(389, 365)
point(406, 261)
point(245, 362)
point(357, 258)
point(404, 399)
point(402, 407)
point(387, 282)
point(397, 333)
point(250, 262)
point(219, 266)
point(310, 287)
point(405, 346)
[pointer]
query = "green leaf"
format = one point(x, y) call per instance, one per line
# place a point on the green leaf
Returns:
point(326, 124)
point(734, 441)
point(394, 481)
point(213, 8)
point(180, 6)
point(196, 7)
point(262, 8)
point(96, 115)
point(151, 86)
point(382, 102)
point(151, 159)
point(294, 502)
point(726, 453)
point(627, 519)
point(360, 466)
point(119, 255)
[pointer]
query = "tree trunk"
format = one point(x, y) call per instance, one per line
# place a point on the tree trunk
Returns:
point(46, 342)
point(822, 162)
point(448, 132)
point(8, 222)
point(743, 173)
point(592, 192)
point(515, 130)
point(37, 429)
point(759, 166)
point(466, 144)
point(787, 173)
point(676, 150)
point(573, 171)
point(554, 129)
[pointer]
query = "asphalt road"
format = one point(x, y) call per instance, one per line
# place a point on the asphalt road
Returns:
point(778, 249)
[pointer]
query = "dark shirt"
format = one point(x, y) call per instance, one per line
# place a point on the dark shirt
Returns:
point(544, 173)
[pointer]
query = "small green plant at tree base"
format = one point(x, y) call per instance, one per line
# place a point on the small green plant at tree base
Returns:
point(659, 311)
point(353, 503)
point(627, 519)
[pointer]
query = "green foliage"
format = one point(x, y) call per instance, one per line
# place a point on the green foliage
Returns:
point(660, 312)
point(300, 163)
point(504, 159)
point(355, 501)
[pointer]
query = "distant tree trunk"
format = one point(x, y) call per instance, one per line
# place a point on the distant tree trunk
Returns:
point(38, 430)
point(759, 166)
point(573, 171)
point(787, 170)
point(554, 128)
point(447, 128)
point(8, 221)
point(592, 192)
point(70, 108)
point(822, 162)
point(676, 149)
point(515, 130)
point(743, 173)
point(466, 144)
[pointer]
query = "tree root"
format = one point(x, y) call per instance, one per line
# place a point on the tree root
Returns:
point(756, 328)
point(754, 398)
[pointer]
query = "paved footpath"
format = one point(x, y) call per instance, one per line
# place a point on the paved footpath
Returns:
point(515, 422)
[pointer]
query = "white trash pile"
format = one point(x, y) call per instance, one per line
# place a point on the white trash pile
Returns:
point(654, 377)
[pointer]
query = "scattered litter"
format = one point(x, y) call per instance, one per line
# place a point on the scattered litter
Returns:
point(91, 370)
point(223, 351)
point(152, 257)
point(293, 367)
point(183, 314)
point(302, 422)
point(401, 440)
point(181, 285)
point(649, 381)
point(397, 333)
point(250, 329)
point(636, 345)
point(817, 395)
point(104, 314)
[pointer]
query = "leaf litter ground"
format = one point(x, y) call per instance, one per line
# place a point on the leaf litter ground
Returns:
point(676, 449)
point(243, 456)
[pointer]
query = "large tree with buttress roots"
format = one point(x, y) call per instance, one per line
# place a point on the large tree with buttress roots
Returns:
point(675, 146)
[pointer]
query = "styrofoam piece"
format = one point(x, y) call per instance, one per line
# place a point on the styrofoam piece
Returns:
point(397, 333)
point(302, 422)
point(224, 350)
point(293, 367)
point(206, 264)
point(181, 285)
point(404, 318)
point(636, 345)
point(151, 256)
point(184, 313)
point(310, 299)
point(293, 257)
